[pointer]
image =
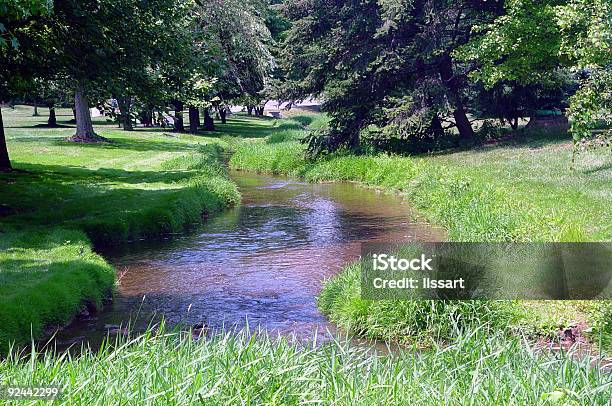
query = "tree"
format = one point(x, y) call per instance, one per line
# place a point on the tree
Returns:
point(243, 39)
point(107, 47)
point(15, 17)
point(365, 58)
point(535, 38)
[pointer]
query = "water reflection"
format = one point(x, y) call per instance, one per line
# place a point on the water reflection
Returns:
point(263, 262)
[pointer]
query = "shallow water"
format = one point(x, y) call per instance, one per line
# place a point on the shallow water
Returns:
point(262, 263)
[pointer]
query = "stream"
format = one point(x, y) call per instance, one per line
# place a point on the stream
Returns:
point(262, 263)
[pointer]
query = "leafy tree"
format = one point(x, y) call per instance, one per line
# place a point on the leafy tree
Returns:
point(535, 38)
point(509, 101)
point(244, 41)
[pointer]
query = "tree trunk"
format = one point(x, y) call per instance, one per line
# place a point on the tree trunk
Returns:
point(250, 110)
point(125, 113)
point(209, 124)
point(450, 80)
point(5, 162)
point(147, 118)
point(85, 131)
point(35, 110)
point(73, 119)
point(179, 125)
point(52, 121)
point(436, 127)
point(514, 123)
point(223, 115)
point(194, 119)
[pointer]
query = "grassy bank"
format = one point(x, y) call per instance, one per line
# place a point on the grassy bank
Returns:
point(515, 191)
point(142, 184)
point(242, 369)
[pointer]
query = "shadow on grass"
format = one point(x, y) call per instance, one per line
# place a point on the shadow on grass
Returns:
point(63, 175)
point(118, 143)
point(598, 168)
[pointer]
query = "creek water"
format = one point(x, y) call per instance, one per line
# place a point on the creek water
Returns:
point(262, 263)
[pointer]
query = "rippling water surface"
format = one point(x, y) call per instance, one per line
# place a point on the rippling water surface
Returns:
point(263, 262)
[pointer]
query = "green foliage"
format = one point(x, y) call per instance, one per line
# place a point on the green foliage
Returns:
point(382, 64)
point(534, 38)
point(226, 369)
point(601, 315)
point(16, 10)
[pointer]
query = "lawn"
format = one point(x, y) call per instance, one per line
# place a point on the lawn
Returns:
point(142, 184)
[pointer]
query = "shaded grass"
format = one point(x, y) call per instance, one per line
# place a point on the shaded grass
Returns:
point(515, 191)
point(244, 369)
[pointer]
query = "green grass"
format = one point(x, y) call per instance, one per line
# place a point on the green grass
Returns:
point(515, 191)
point(143, 184)
point(242, 369)
point(46, 277)
point(50, 268)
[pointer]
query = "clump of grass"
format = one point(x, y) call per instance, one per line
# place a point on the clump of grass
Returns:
point(45, 278)
point(175, 369)
point(422, 322)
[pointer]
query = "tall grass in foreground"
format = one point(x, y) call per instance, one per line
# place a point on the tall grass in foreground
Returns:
point(255, 369)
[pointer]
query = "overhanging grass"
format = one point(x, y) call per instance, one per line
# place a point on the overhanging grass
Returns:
point(520, 191)
point(141, 185)
point(46, 277)
point(243, 369)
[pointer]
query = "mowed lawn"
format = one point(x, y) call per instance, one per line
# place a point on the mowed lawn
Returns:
point(63, 182)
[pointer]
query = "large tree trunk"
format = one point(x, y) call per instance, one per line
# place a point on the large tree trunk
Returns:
point(52, 121)
point(85, 131)
point(250, 110)
point(194, 119)
point(209, 123)
point(5, 162)
point(452, 83)
point(125, 104)
point(179, 125)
